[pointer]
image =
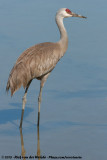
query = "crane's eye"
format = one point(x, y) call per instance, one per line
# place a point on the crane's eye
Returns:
point(68, 11)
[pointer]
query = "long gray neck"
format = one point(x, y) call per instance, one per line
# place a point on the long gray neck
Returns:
point(63, 34)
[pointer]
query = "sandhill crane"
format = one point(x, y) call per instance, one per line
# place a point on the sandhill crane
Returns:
point(38, 61)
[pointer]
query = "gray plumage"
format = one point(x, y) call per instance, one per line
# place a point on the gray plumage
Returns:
point(35, 62)
point(39, 60)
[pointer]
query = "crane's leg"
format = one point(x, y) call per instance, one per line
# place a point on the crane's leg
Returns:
point(39, 99)
point(22, 144)
point(40, 95)
point(38, 142)
point(24, 102)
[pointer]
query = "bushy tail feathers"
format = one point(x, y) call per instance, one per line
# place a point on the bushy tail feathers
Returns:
point(19, 76)
point(8, 86)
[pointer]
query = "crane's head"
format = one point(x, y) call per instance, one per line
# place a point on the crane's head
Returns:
point(65, 12)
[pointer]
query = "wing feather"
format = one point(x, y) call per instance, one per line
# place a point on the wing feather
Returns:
point(34, 62)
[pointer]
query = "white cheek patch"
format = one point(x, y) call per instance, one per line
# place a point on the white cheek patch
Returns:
point(66, 14)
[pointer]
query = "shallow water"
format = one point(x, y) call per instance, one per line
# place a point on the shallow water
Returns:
point(73, 118)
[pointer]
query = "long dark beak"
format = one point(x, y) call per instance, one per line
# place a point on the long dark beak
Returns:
point(77, 15)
